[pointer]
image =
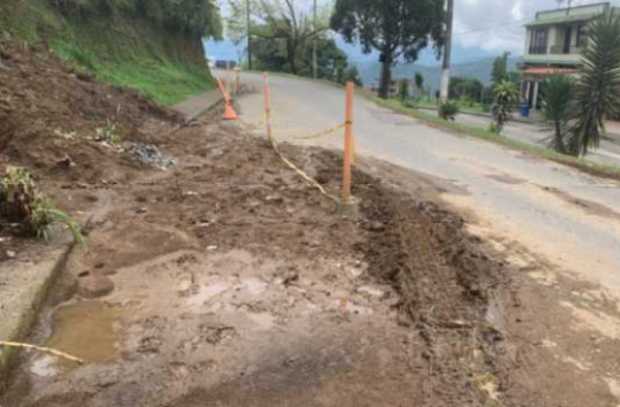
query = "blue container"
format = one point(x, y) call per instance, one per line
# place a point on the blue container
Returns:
point(524, 108)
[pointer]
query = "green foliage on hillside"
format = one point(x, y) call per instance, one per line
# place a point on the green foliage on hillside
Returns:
point(198, 17)
point(154, 46)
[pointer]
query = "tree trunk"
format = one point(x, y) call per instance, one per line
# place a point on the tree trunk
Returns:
point(291, 53)
point(386, 76)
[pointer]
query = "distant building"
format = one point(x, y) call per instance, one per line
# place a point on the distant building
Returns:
point(222, 54)
point(553, 46)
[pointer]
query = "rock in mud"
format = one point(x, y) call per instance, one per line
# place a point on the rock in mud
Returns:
point(95, 286)
point(150, 155)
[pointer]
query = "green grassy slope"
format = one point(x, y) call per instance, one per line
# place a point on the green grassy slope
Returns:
point(121, 50)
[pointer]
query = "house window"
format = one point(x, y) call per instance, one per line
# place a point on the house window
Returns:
point(538, 43)
point(581, 36)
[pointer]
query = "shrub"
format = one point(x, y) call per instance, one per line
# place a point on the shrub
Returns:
point(448, 110)
point(505, 99)
point(22, 203)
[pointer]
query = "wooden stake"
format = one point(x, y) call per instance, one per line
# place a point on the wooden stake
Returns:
point(42, 349)
point(348, 146)
point(267, 92)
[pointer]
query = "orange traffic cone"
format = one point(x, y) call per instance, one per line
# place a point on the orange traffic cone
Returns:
point(229, 111)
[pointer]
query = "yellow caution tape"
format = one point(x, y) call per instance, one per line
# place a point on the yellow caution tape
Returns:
point(322, 133)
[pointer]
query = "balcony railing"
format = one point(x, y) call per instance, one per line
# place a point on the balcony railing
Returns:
point(561, 50)
point(538, 50)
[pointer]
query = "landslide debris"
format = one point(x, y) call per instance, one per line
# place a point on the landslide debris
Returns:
point(228, 190)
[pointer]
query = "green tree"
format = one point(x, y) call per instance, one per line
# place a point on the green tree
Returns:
point(419, 83)
point(505, 99)
point(500, 68)
point(398, 29)
point(330, 59)
point(514, 77)
point(468, 88)
point(558, 94)
point(286, 21)
point(403, 89)
point(597, 91)
point(352, 74)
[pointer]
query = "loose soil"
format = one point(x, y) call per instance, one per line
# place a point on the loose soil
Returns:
point(235, 282)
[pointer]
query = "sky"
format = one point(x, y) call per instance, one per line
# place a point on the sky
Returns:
point(482, 28)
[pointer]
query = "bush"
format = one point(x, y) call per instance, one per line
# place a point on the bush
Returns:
point(506, 97)
point(448, 110)
point(22, 203)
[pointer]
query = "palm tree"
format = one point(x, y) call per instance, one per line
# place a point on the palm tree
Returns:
point(558, 108)
point(598, 88)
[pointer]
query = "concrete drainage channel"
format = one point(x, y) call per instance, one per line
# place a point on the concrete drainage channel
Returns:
point(24, 286)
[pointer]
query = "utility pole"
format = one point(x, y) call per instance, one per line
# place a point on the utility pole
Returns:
point(445, 74)
point(315, 67)
point(249, 34)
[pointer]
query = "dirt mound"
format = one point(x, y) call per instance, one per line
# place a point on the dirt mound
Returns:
point(48, 110)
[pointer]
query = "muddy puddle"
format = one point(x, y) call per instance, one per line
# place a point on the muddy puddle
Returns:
point(87, 330)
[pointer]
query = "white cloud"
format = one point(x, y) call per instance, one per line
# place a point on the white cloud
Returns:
point(497, 25)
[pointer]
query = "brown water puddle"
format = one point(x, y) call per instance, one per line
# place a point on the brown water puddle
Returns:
point(86, 330)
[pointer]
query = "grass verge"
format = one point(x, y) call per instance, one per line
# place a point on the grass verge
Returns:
point(166, 81)
point(589, 167)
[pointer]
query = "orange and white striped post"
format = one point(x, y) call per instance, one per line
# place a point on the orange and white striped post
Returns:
point(348, 146)
point(267, 92)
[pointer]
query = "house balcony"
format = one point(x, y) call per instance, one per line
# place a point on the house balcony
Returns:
point(554, 55)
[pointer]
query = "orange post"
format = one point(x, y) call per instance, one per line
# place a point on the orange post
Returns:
point(348, 145)
point(267, 92)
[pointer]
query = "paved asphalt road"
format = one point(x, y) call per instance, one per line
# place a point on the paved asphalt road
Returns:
point(564, 216)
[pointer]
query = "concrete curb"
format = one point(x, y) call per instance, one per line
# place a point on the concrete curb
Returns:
point(24, 287)
point(485, 115)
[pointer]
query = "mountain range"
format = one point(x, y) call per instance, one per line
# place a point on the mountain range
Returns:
point(480, 69)
point(470, 63)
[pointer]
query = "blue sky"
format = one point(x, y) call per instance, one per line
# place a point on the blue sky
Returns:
point(482, 28)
